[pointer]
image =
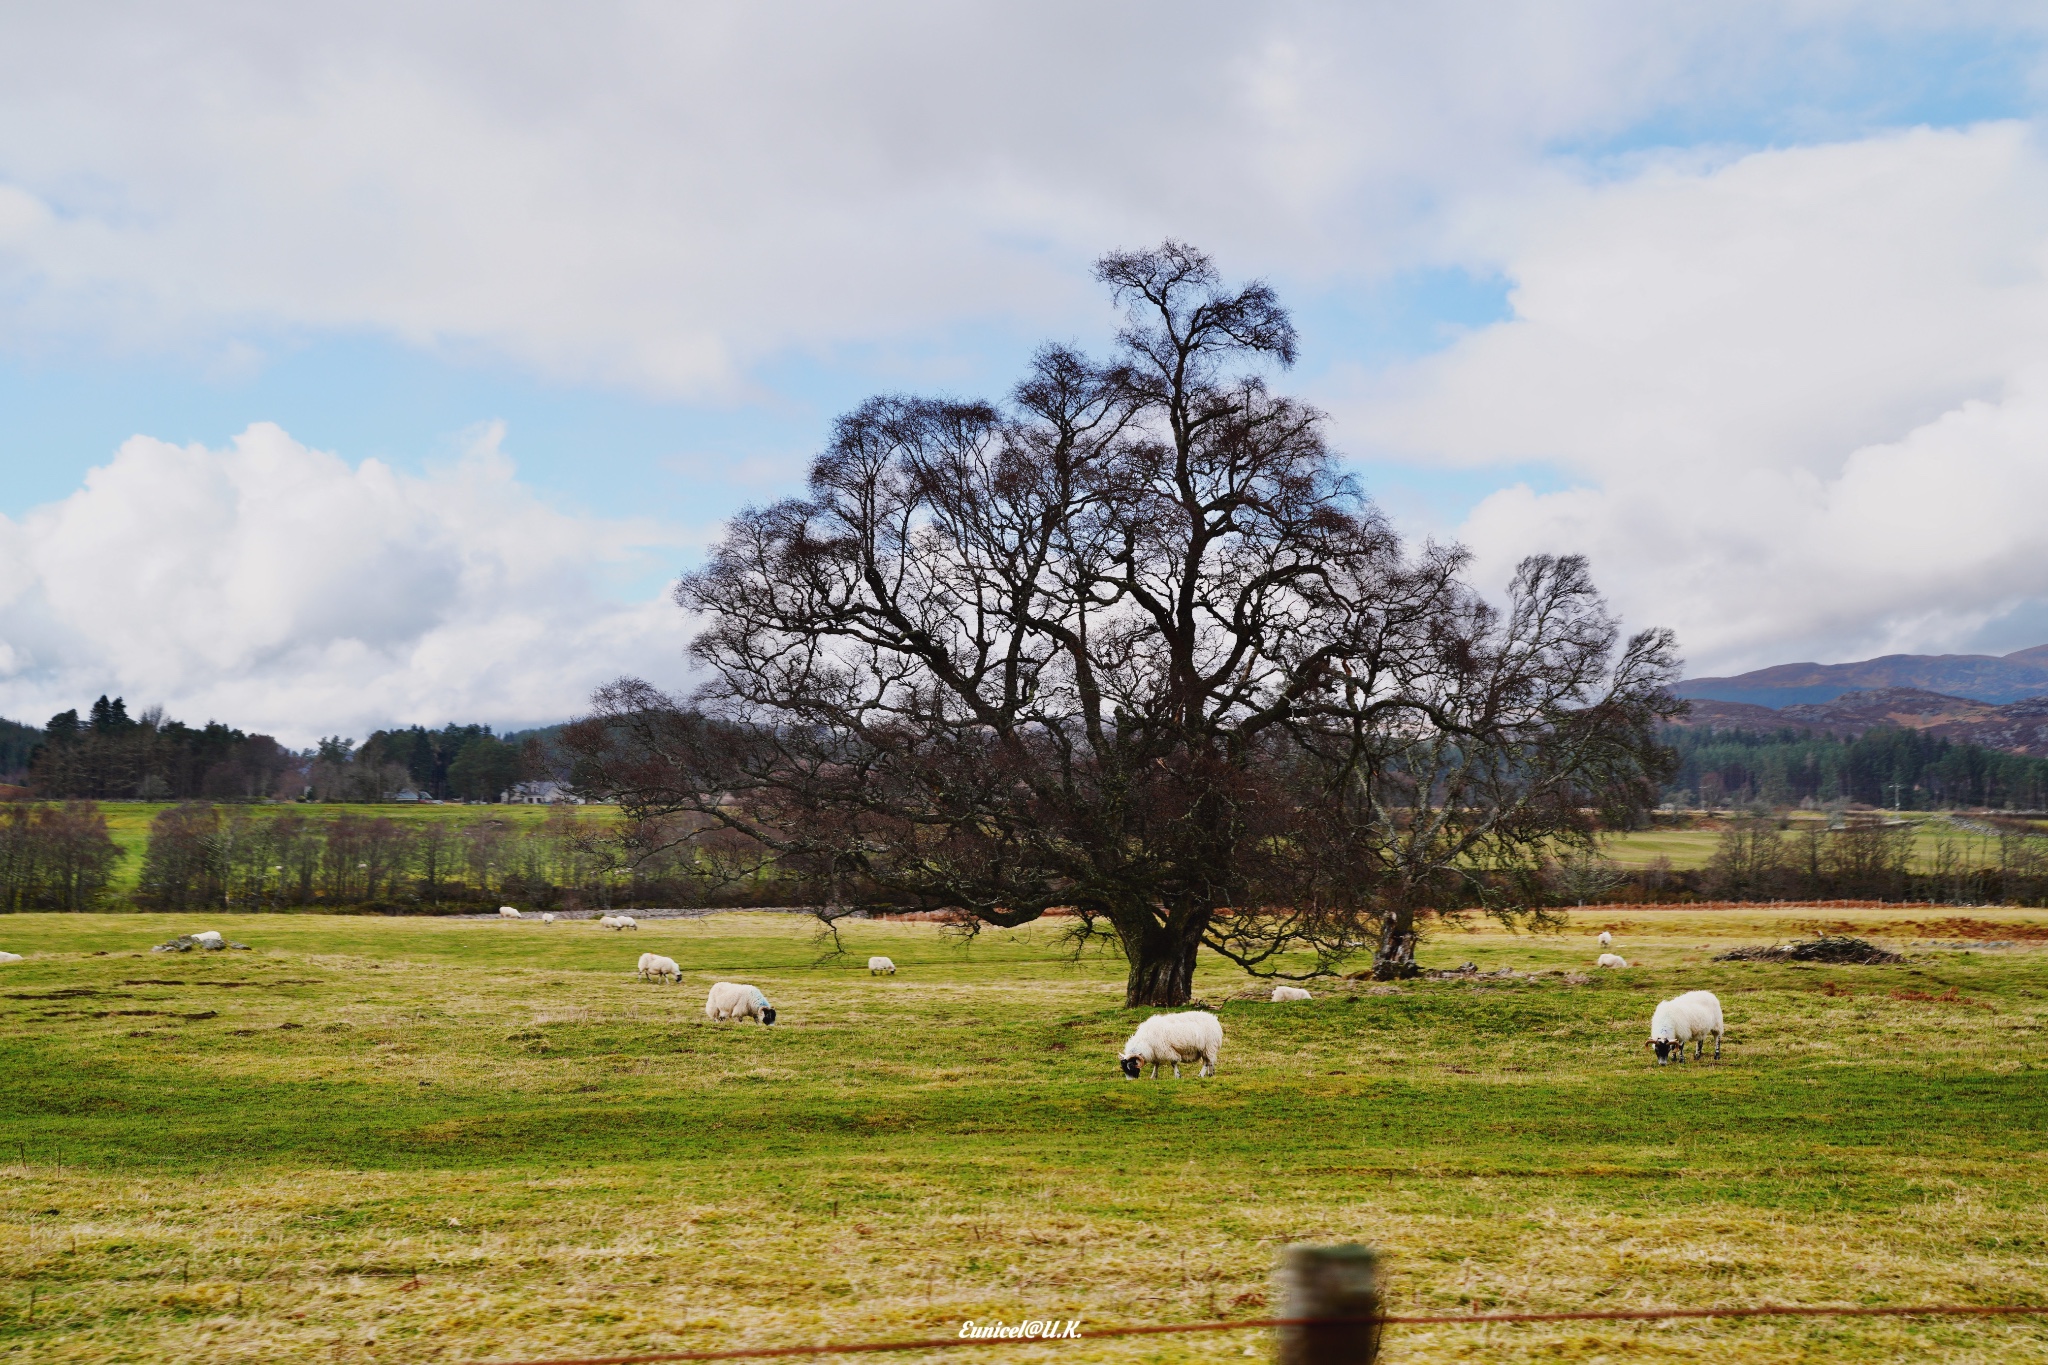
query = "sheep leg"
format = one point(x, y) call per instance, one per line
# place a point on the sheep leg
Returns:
point(1176, 1070)
point(1208, 1066)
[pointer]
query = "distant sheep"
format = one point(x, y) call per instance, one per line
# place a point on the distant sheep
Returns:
point(547, 917)
point(507, 912)
point(1281, 993)
point(1169, 1040)
point(628, 922)
point(10, 957)
point(618, 922)
point(1612, 960)
point(1687, 1018)
point(878, 966)
point(736, 1000)
point(655, 967)
point(1606, 939)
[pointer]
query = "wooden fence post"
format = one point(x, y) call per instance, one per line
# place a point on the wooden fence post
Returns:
point(1337, 1289)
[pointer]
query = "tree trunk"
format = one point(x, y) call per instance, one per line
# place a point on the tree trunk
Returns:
point(1395, 958)
point(1161, 955)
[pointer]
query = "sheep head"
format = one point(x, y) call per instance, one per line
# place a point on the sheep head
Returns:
point(768, 1015)
point(1131, 1066)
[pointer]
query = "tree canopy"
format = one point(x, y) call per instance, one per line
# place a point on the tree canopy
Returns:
point(1132, 645)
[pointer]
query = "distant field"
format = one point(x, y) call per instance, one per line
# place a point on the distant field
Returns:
point(247, 1157)
point(128, 822)
point(1694, 847)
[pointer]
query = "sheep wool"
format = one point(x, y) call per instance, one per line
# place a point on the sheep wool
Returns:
point(880, 965)
point(507, 912)
point(628, 922)
point(1612, 960)
point(1281, 993)
point(547, 917)
point(617, 922)
point(653, 966)
point(1606, 939)
point(737, 1000)
point(1683, 1019)
point(1169, 1040)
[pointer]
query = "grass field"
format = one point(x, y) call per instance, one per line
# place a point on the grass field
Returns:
point(249, 1156)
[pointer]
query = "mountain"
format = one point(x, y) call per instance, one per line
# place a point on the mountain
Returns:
point(2019, 727)
point(1979, 677)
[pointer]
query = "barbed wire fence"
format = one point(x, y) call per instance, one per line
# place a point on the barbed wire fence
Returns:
point(1334, 1319)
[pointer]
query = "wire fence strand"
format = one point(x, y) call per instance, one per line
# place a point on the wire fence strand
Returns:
point(1924, 1310)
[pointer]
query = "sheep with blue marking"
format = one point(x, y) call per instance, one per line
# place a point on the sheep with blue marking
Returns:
point(737, 1000)
point(1169, 1040)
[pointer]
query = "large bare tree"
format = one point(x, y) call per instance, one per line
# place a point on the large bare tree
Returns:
point(1132, 644)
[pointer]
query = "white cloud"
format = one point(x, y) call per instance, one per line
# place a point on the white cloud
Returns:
point(662, 195)
point(1804, 395)
point(280, 589)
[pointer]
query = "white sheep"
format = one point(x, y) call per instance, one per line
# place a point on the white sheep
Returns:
point(628, 922)
point(507, 912)
point(618, 922)
point(736, 1000)
point(1169, 1040)
point(654, 966)
point(10, 957)
point(879, 965)
point(547, 917)
point(1687, 1018)
point(1281, 993)
point(1612, 960)
point(1606, 939)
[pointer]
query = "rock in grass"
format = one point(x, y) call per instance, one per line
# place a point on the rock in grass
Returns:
point(1827, 948)
point(185, 943)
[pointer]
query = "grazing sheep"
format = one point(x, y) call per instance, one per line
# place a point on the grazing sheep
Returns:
point(654, 966)
point(1606, 939)
point(1687, 1018)
point(10, 957)
point(1169, 1040)
point(618, 922)
point(628, 922)
point(736, 1000)
point(1281, 993)
point(547, 917)
point(507, 912)
point(1612, 960)
point(879, 965)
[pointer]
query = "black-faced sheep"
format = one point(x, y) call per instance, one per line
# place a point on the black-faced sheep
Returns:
point(736, 1000)
point(1169, 1040)
point(1687, 1018)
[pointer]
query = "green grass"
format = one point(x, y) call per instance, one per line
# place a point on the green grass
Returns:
point(259, 1150)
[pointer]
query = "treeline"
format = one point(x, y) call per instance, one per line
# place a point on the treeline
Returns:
point(55, 857)
point(238, 858)
point(1886, 766)
point(108, 754)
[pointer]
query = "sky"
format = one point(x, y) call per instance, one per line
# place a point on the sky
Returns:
point(384, 365)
